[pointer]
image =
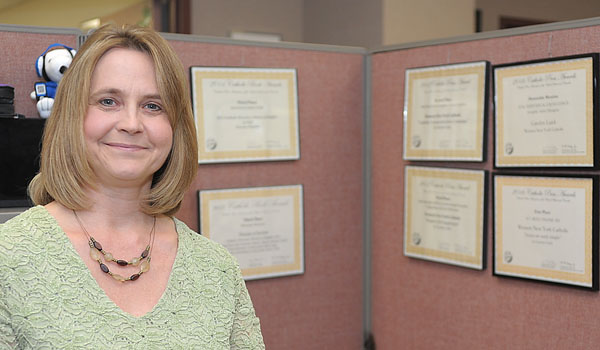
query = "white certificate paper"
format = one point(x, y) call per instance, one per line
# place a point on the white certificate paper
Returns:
point(245, 114)
point(262, 227)
point(444, 112)
point(545, 113)
point(544, 228)
point(443, 215)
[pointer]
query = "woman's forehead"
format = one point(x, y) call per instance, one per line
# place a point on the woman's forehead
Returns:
point(125, 69)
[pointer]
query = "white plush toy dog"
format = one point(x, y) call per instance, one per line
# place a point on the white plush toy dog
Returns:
point(51, 65)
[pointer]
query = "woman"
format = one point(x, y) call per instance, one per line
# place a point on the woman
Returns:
point(100, 261)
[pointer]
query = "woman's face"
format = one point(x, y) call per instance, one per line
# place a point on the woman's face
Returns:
point(127, 131)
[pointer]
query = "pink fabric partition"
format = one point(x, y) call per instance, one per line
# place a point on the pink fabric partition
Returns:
point(426, 305)
point(321, 309)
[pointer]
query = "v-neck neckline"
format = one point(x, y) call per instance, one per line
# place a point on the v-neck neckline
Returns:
point(107, 300)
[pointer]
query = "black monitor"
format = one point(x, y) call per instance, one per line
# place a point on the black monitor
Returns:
point(20, 140)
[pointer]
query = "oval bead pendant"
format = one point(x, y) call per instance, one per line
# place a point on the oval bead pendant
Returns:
point(95, 254)
point(135, 261)
point(122, 262)
point(145, 266)
point(134, 277)
point(98, 245)
point(118, 277)
point(108, 256)
point(104, 268)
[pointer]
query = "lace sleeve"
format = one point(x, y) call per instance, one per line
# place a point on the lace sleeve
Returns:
point(7, 335)
point(246, 334)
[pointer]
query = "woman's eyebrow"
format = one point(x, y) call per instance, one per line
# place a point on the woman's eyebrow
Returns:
point(105, 91)
point(119, 91)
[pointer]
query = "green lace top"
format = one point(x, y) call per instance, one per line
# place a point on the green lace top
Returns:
point(49, 299)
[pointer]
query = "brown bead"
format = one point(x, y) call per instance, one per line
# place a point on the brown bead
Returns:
point(145, 252)
point(134, 277)
point(104, 268)
point(98, 246)
point(122, 262)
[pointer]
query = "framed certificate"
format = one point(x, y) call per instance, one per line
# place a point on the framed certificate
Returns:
point(444, 215)
point(245, 114)
point(444, 112)
point(545, 112)
point(545, 228)
point(262, 227)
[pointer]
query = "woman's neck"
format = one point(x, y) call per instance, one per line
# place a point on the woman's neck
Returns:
point(116, 210)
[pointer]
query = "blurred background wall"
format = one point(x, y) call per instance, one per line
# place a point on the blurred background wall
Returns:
point(363, 23)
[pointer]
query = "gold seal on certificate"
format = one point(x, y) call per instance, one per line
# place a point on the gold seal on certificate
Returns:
point(544, 229)
point(245, 114)
point(545, 112)
point(262, 227)
point(444, 215)
point(444, 111)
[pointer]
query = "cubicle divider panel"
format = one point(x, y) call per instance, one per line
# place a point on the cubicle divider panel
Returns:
point(417, 304)
point(321, 308)
point(20, 51)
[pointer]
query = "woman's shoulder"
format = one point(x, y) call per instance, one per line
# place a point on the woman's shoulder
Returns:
point(26, 222)
point(26, 235)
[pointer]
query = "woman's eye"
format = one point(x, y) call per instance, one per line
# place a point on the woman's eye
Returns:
point(107, 102)
point(153, 106)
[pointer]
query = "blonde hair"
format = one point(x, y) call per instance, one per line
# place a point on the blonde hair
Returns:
point(64, 167)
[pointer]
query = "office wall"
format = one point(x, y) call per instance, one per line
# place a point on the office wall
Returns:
point(62, 13)
point(550, 11)
point(419, 304)
point(221, 17)
point(343, 22)
point(408, 21)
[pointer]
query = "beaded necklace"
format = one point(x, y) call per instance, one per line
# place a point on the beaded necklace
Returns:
point(97, 252)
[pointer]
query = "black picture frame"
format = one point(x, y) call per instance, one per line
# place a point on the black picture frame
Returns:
point(540, 230)
point(541, 111)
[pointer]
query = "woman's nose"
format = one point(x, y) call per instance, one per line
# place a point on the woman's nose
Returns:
point(130, 121)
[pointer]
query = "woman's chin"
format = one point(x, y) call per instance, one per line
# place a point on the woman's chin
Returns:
point(126, 179)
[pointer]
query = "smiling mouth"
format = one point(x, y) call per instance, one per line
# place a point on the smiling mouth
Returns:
point(125, 147)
